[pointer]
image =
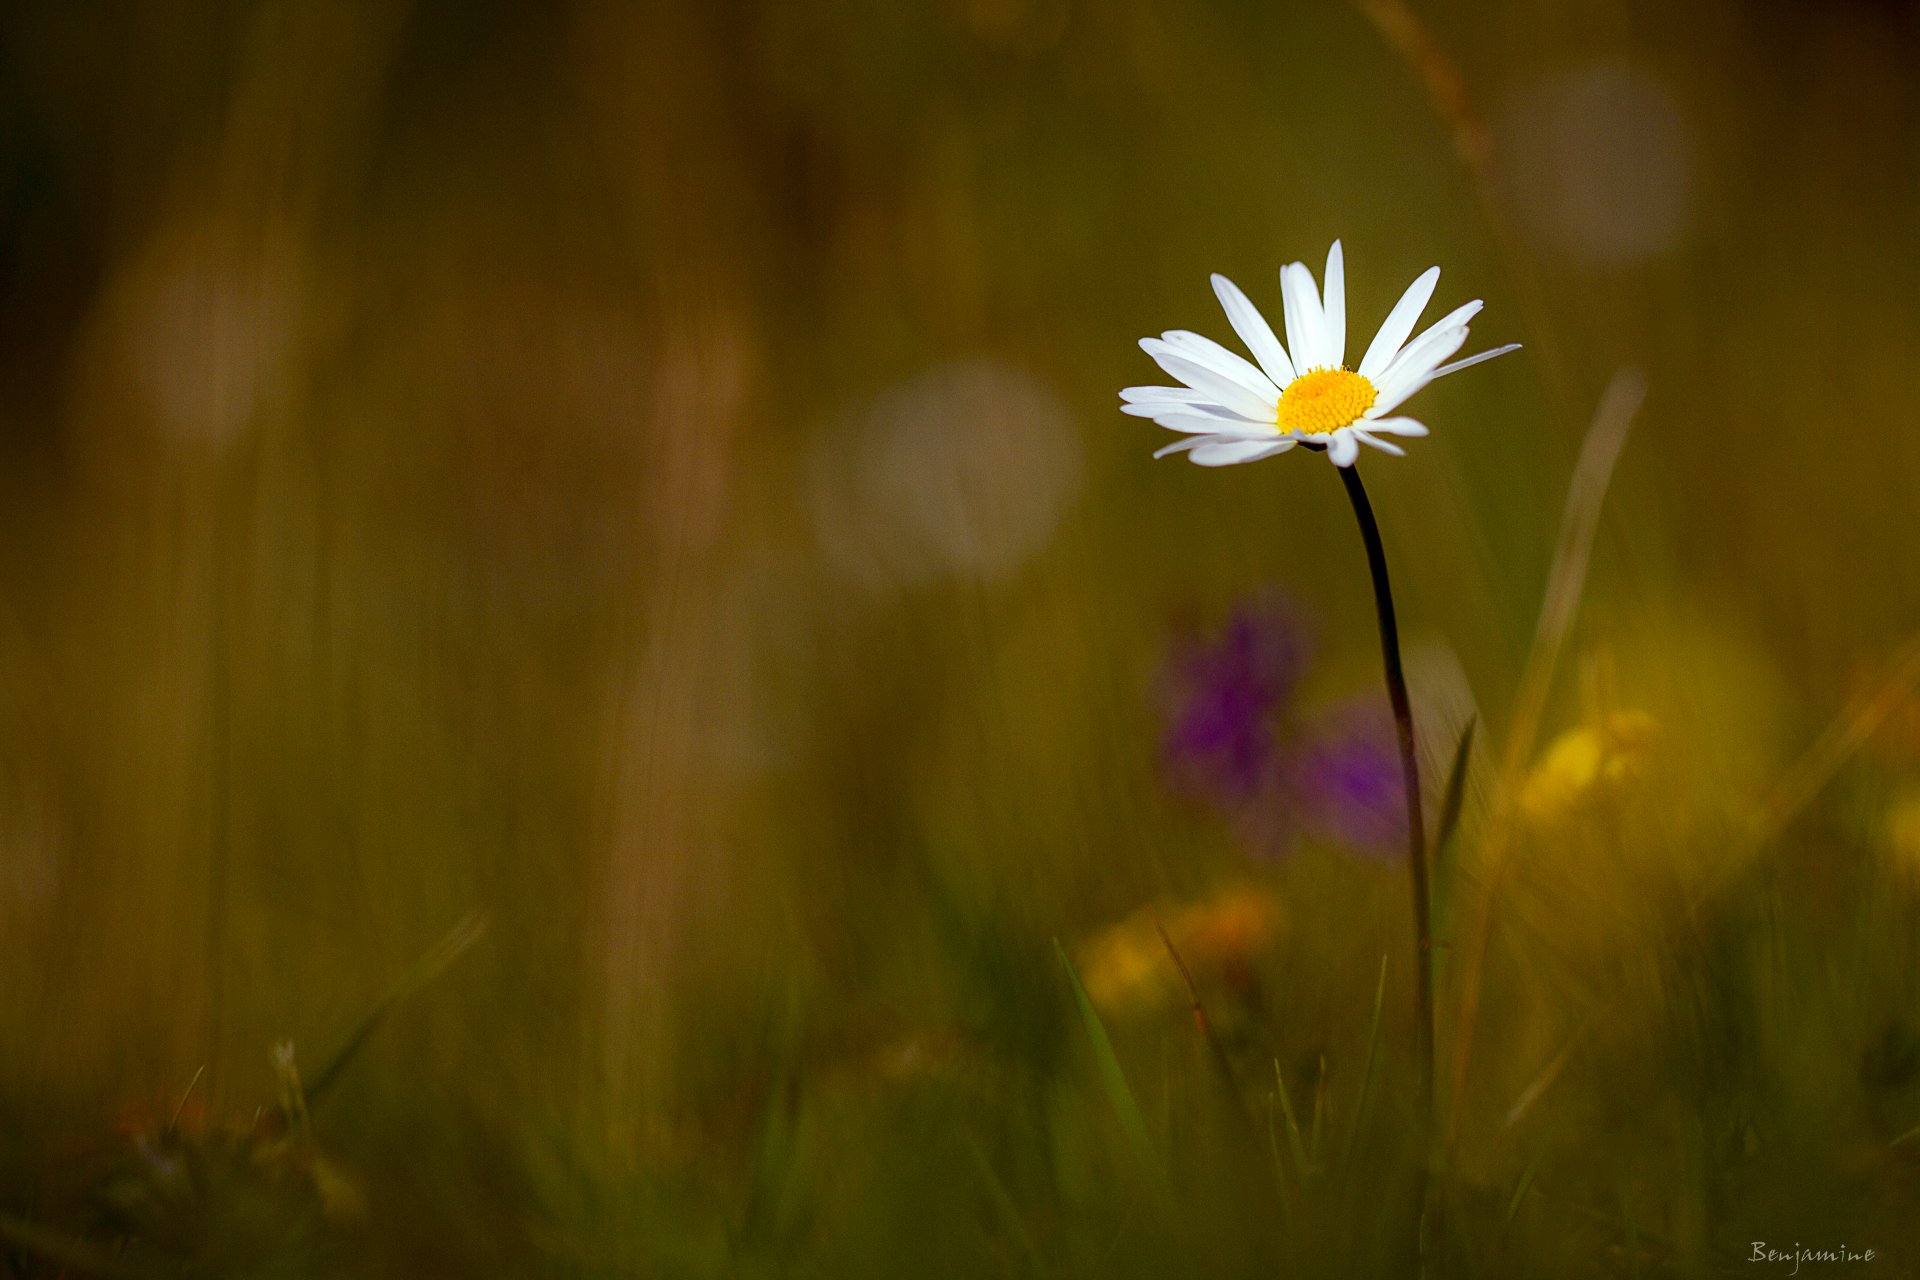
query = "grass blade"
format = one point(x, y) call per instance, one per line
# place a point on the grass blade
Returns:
point(1279, 1164)
point(1302, 1166)
point(1008, 1209)
point(1315, 1148)
point(1566, 580)
point(1631, 1226)
point(1456, 792)
point(1453, 801)
point(422, 971)
point(1520, 1193)
point(1365, 1102)
point(1119, 1093)
point(70, 1253)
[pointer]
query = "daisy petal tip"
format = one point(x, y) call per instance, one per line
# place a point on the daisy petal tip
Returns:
point(1408, 428)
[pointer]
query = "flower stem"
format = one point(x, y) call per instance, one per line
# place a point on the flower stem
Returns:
point(1410, 774)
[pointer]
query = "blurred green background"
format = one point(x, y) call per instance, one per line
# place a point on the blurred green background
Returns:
point(647, 477)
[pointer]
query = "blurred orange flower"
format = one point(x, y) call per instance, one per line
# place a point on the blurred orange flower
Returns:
point(1126, 968)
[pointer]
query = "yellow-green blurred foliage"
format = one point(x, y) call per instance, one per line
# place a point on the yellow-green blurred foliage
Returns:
point(648, 474)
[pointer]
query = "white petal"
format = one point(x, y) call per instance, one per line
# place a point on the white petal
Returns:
point(1343, 448)
point(1231, 363)
point(1304, 323)
point(1227, 453)
point(1160, 395)
point(1207, 424)
point(1224, 390)
point(1412, 353)
point(1414, 369)
point(1471, 361)
point(1145, 402)
point(1408, 427)
point(1381, 445)
point(1254, 331)
point(1211, 412)
point(1214, 358)
point(1403, 391)
point(1459, 315)
point(1399, 323)
point(1180, 446)
point(1334, 311)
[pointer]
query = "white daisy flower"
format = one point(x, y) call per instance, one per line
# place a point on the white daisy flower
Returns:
point(1235, 410)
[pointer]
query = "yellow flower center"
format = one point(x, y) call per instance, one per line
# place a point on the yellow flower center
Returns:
point(1320, 401)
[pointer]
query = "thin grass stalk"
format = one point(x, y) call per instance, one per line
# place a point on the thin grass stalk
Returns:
point(1566, 581)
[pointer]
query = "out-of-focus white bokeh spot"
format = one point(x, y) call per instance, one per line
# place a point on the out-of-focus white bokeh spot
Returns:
point(963, 470)
point(1601, 161)
point(206, 323)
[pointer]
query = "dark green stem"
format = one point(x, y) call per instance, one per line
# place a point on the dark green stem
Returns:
point(1410, 774)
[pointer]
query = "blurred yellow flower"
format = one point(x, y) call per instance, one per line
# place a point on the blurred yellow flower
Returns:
point(1233, 410)
point(1588, 762)
point(1126, 969)
point(1903, 834)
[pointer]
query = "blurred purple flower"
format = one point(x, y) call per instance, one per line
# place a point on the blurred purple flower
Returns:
point(1234, 739)
point(1346, 777)
point(1222, 696)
